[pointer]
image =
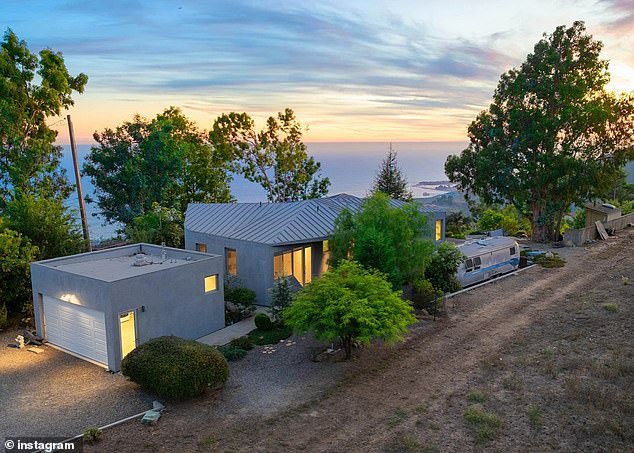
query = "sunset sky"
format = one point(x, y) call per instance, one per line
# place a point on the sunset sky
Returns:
point(352, 70)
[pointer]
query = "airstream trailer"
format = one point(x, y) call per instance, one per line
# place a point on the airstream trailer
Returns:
point(486, 258)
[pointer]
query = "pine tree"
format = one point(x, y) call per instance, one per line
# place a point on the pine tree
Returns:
point(390, 180)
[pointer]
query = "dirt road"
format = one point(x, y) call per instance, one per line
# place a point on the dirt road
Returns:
point(543, 360)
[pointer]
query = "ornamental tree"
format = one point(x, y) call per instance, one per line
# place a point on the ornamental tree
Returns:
point(552, 136)
point(352, 304)
point(390, 180)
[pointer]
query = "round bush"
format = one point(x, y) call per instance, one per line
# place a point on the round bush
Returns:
point(176, 368)
point(263, 322)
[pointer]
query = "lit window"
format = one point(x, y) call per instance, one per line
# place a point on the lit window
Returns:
point(325, 246)
point(232, 262)
point(201, 248)
point(438, 230)
point(211, 283)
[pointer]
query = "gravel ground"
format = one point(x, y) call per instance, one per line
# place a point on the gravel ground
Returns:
point(56, 394)
point(271, 377)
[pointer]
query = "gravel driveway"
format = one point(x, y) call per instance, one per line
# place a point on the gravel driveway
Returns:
point(56, 394)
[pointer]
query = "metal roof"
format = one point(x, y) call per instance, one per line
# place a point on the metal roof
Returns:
point(273, 223)
point(485, 245)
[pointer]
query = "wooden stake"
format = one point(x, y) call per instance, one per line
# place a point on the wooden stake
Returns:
point(80, 195)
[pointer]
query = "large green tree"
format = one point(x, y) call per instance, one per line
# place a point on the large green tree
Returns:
point(553, 135)
point(351, 303)
point(33, 88)
point(47, 223)
point(387, 238)
point(166, 160)
point(390, 180)
point(16, 254)
point(276, 158)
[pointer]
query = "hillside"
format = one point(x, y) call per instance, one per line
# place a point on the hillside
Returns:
point(542, 360)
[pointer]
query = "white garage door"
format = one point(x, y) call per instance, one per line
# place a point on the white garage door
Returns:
point(78, 329)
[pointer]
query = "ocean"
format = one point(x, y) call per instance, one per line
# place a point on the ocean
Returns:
point(351, 167)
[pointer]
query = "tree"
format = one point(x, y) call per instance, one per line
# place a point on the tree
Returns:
point(160, 225)
point(553, 134)
point(46, 223)
point(441, 272)
point(276, 158)
point(16, 254)
point(351, 303)
point(390, 180)
point(166, 160)
point(387, 238)
point(458, 224)
point(281, 298)
point(33, 88)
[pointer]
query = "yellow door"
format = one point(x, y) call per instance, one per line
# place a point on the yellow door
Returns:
point(128, 332)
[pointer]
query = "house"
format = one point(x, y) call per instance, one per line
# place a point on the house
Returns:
point(600, 212)
point(101, 305)
point(262, 241)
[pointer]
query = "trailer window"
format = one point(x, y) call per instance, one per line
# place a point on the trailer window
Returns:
point(512, 251)
point(477, 262)
point(468, 265)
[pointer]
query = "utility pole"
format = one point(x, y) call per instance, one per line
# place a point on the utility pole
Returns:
point(80, 195)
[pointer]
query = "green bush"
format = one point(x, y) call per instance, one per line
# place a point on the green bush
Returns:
point(425, 296)
point(175, 368)
point(92, 434)
point(243, 343)
point(272, 336)
point(441, 272)
point(243, 298)
point(263, 322)
point(231, 352)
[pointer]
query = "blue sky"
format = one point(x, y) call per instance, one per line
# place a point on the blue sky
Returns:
point(353, 71)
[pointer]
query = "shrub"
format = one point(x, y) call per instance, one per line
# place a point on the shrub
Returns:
point(92, 434)
point(243, 298)
point(176, 368)
point(3, 316)
point(549, 260)
point(231, 352)
point(612, 308)
point(441, 272)
point(263, 322)
point(425, 296)
point(273, 336)
point(281, 298)
point(243, 343)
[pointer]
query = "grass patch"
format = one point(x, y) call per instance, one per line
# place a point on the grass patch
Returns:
point(273, 336)
point(535, 416)
point(550, 261)
point(476, 397)
point(486, 424)
point(208, 443)
point(612, 308)
point(399, 416)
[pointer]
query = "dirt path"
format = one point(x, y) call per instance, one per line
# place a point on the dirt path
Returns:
point(412, 397)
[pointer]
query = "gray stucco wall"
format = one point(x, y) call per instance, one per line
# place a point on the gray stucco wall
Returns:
point(254, 261)
point(174, 299)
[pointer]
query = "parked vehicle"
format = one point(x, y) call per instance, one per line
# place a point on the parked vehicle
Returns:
point(487, 258)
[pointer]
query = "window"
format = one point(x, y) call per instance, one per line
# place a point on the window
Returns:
point(231, 257)
point(325, 247)
point(512, 251)
point(438, 230)
point(201, 247)
point(477, 262)
point(211, 283)
point(468, 265)
point(297, 262)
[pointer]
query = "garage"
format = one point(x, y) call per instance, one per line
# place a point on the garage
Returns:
point(77, 329)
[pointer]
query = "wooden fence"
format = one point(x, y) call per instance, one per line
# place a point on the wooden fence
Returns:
point(582, 235)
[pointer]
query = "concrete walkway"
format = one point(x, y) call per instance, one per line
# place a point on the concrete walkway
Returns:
point(239, 329)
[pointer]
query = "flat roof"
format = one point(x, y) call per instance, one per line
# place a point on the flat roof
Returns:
point(125, 262)
point(471, 248)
